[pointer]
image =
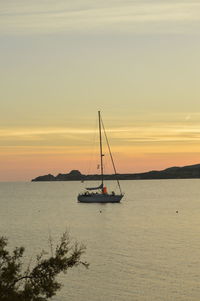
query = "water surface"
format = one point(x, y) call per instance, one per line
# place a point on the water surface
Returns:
point(141, 249)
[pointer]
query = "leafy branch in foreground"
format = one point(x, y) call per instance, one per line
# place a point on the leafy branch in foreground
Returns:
point(37, 283)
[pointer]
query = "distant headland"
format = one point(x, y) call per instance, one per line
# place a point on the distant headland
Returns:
point(185, 172)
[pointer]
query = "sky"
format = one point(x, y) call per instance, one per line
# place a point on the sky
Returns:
point(61, 61)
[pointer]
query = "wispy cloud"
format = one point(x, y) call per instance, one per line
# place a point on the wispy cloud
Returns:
point(25, 17)
point(129, 135)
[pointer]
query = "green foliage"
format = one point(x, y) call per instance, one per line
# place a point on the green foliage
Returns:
point(37, 283)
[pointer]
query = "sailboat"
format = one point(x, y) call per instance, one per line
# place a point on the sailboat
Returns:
point(100, 194)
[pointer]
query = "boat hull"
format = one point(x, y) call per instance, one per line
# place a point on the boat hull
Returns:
point(99, 198)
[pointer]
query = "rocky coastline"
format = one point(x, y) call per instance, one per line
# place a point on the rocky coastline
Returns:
point(185, 172)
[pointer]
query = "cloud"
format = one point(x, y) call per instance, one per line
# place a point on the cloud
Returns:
point(118, 136)
point(40, 17)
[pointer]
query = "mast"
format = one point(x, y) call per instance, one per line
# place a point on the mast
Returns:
point(111, 156)
point(100, 145)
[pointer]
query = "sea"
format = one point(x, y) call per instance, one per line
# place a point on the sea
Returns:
point(147, 248)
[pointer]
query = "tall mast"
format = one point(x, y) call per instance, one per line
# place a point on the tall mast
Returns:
point(100, 144)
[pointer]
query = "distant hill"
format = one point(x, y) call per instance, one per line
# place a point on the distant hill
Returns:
point(185, 172)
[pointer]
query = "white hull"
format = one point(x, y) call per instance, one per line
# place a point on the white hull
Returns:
point(100, 198)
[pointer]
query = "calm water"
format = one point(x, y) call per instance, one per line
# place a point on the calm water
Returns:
point(138, 250)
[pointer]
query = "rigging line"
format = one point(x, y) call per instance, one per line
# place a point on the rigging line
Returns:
point(112, 160)
point(100, 145)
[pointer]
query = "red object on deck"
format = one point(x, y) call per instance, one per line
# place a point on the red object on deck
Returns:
point(104, 190)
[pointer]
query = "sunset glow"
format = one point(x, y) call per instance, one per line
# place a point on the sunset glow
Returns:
point(62, 61)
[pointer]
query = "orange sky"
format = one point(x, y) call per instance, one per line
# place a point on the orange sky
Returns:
point(28, 152)
point(62, 61)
